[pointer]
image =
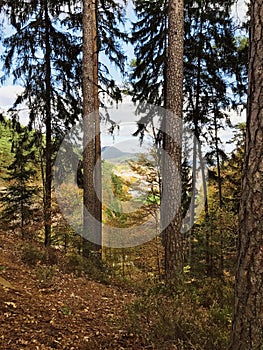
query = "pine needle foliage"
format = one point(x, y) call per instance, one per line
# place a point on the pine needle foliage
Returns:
point(19, 198)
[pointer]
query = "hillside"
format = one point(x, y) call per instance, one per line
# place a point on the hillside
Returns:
point(115, 155)
point(44, 310)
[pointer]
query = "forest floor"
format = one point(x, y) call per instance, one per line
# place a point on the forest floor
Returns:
point(67, 313)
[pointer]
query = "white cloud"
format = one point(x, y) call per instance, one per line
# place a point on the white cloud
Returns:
point(227, 134)
point(8, 95)
point(238, 117)
point(239, 10)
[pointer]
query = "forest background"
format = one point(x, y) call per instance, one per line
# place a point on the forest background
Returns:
point(195, 315)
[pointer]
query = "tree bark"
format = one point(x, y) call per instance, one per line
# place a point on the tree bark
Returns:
point(220, 195)
point(208, 252)
point(98, 205)
point(48, 126)
point(196, 120)
point(247, 332)
point(171, 184)
point(91, 226)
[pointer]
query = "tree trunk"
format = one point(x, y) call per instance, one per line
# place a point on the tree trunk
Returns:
point(193, 201)
point(220, 196)
point(247, 330)
point(208, 253)
point(98, 199)
point(171, 189)
point(48, 125)
point(196, 120)
point(91, 226)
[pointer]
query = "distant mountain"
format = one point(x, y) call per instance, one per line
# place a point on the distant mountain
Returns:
point(116, 155)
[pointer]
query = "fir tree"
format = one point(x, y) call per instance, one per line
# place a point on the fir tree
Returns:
point(214, 70)
point(45, 56)
point(47, 64)
point(20, 196)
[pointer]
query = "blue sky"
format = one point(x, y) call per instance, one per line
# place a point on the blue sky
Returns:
point(9, 91)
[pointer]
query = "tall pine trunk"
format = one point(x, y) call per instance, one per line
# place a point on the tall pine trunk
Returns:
point(193, 199)
point(196, 120)
point(98, 173)
point(48, 126)
point(171, 191)
point(208, 253)
point(247, 330)
point(91, 224)
point(220, 195)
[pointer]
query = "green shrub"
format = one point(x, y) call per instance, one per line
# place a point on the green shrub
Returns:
point(2, 268)
point(181, 320)
point(66, 310)
point(32, 255)
point(73, 263)
point(91, 267)
point(45, 274)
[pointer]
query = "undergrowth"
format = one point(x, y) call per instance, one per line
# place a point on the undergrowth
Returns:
point(195, 317)
point(71, 263)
